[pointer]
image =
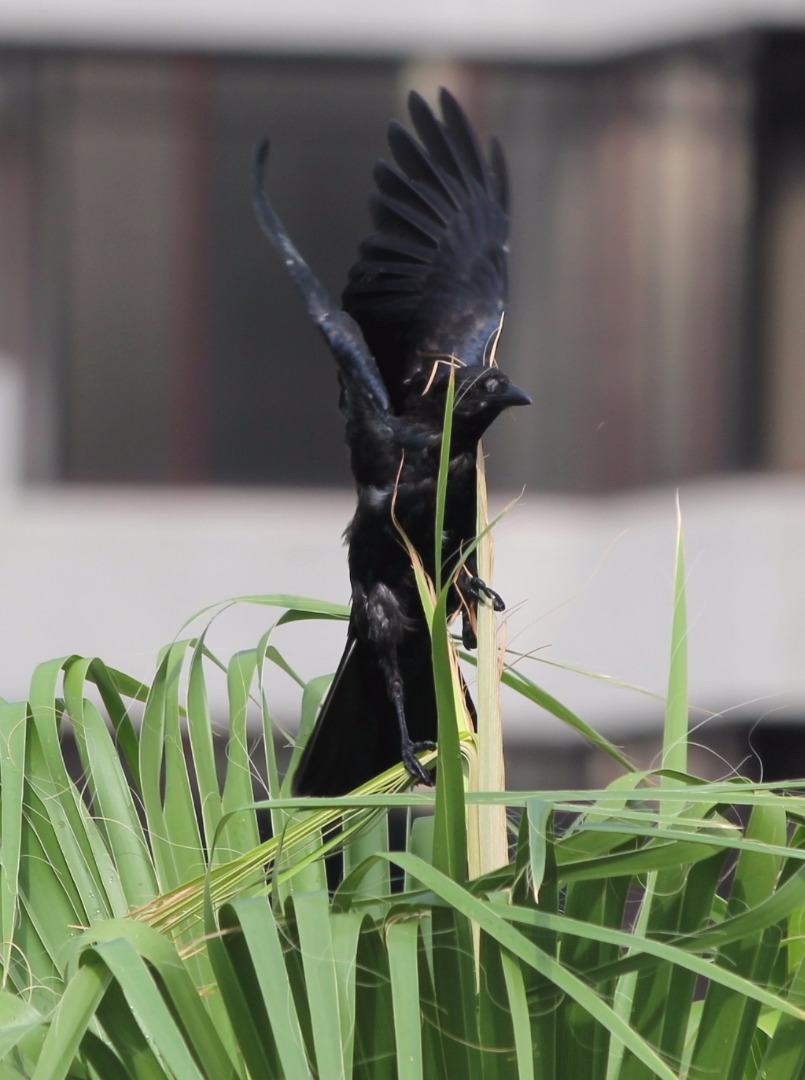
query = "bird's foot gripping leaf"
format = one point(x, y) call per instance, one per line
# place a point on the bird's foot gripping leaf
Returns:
point(478, 588)
point(412, 762)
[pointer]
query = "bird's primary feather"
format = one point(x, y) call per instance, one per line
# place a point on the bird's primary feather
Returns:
point(358, 371)
point(432, 279)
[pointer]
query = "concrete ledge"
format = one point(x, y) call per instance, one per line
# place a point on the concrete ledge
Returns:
point(589, 583)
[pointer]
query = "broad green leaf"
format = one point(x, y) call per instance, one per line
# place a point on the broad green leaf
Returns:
point(135, 948)
point(521, 1025)
point(375, 1054)
point(240, 833)
point(200, 736)
point(112, 798)
point(75, 1012)
point(473, 908)
point(784, 1056)
point(173, 832)
point(13, 730)
point(538, 815)
point(454, 982)
point(375, 882)
point(675, 731)
point(311, 910)
point(63, 821)
point(728, 1020)
point(403, 939)
point(496, 1036)
point(253, 939)
point(17, 1019)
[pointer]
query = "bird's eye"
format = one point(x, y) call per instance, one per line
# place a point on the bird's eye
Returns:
point(493, 384)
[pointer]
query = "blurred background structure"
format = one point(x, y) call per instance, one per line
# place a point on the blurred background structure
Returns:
point(156, 455)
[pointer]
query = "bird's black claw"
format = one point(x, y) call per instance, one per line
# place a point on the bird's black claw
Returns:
point(479, 588)
point(414, 765)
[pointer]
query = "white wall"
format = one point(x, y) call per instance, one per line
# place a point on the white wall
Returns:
point(507, 28)
point(11, 400)
point(588, 583)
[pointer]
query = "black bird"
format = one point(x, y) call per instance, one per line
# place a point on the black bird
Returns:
point(424, 303)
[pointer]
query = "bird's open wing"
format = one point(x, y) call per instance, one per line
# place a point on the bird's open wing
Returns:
point(432, 279)
point(360, 378)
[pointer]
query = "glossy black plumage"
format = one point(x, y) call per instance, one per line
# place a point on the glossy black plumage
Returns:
point(424, 300)
point(359, 731)
point(432, 279)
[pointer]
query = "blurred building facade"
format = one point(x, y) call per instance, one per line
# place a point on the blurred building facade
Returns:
point(657, 259)
point(654, 257)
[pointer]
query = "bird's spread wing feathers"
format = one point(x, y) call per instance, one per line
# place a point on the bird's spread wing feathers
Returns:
point(432, 279)
point(360, 377)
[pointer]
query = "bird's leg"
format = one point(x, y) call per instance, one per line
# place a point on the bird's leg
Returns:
point(380, 616)
point(408, 748)
point(469, 632)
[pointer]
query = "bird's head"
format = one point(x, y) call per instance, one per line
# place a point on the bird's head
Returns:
point(481, 394)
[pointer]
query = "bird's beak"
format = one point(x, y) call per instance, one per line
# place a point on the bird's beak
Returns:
point(515, 396)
